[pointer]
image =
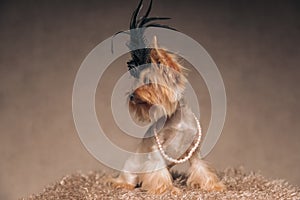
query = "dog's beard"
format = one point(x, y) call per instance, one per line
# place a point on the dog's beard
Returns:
point(145, 113)
point(140, 113)
point(151, 103)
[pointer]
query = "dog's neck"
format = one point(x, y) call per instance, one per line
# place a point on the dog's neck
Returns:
point(174, 117)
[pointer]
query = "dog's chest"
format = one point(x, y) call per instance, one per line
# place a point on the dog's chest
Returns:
point(179, 140)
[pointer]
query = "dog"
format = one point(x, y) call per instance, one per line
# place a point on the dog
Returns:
point(175, 133)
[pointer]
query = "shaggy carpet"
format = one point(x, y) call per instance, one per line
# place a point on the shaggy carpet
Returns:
point(240, 185)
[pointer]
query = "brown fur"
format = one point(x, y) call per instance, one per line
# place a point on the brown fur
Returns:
point(160, 88)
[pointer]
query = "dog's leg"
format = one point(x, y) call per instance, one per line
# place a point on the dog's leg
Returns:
point(203, 176)
point(127, 179)
point(124, 180)
point(157, 180)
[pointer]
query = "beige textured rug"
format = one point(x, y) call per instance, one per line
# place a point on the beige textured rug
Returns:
point(240, 185)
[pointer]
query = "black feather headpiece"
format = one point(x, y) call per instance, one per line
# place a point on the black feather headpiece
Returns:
point(141, 56)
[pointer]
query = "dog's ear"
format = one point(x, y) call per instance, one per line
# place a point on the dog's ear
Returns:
point(171, 70)
point(161, 56)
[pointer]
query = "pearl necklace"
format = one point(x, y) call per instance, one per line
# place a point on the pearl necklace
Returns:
point(182, 160)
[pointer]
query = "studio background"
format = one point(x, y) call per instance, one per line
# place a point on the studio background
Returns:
point(255, 45)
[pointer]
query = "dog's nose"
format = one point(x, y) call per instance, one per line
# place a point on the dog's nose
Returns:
point(131, 97)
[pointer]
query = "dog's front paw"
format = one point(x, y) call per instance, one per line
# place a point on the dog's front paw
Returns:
point(208, 185)
point(176, 191)
point(119, 184)
point(156, 189)
point(216, 186)
point(202, 176)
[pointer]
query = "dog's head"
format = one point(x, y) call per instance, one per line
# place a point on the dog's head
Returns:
point(160, 79)
point(159, 86)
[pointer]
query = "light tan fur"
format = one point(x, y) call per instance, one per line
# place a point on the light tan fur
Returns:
point(160, 88)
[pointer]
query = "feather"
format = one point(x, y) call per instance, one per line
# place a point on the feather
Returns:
point(150, 19)
point(140, 54)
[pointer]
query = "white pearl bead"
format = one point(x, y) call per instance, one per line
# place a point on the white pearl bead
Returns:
point(189, 154)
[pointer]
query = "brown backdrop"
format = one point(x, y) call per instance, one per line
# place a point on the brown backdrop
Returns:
point(42, 44)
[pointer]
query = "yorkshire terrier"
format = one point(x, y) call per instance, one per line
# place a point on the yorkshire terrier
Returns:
point(175, 133)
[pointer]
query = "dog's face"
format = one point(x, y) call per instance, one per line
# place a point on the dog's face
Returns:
point(159, 87)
